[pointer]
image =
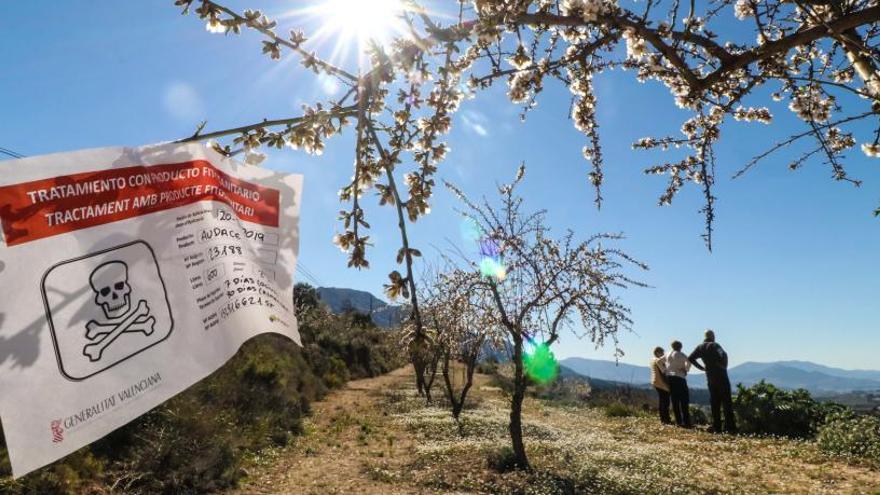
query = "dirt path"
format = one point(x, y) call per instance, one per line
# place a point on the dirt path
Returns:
point(375, 437)
point(343, 430)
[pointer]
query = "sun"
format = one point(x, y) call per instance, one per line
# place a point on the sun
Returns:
point(360, 21)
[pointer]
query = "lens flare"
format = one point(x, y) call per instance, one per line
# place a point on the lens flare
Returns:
point(491, 263)
point(469, 231)
point(540, 363)
point(489, 248)
point(491, 267)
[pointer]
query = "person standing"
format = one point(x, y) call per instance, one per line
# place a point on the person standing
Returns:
point(677, 367)
point(661, 385)
point(715, 365)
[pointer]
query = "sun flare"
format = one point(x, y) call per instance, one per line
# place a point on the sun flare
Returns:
point(364, 21)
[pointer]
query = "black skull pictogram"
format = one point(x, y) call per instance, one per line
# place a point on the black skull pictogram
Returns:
point(112, 291)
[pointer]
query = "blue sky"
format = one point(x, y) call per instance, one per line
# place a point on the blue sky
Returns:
point(793, 274)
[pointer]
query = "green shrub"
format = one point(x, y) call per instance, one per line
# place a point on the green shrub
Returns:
point(847, 434)
point(501, 460)
point(768, 410)
point(619, 410)
point(488, 366)
point(698, 415)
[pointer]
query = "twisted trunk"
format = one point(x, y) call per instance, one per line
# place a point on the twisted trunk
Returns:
point(457, 400)
point(516, 401)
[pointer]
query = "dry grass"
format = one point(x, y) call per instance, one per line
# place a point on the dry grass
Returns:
point(409, 448)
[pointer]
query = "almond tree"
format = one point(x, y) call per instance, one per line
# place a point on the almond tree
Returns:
point(818, 55)
point(461, 315)
point(543, 285)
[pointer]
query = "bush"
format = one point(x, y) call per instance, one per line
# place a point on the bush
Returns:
point(698, 415)
point(198, 441)
point(768, 410)
point(488, 366)
point(849, 435)
point(502, 460)
point(619, 410)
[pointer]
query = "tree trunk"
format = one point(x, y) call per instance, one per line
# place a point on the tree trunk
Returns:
point(419, 367)
point(450, 389)
point(430, 375)
point(468, 381)
point(519, 393)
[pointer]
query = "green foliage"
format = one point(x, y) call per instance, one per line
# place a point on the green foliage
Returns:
point(347, 346)
point(488, 366)
point(766, 409)
point(698, 415)
point(620, 410)
point(306, 297)
point(850, 435)
point(501, 460)
point(199, 441)
point(567, 390)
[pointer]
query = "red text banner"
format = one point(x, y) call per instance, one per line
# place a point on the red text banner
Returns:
point(44, 208)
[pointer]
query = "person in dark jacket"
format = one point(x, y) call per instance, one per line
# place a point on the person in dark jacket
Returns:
point(715, 365)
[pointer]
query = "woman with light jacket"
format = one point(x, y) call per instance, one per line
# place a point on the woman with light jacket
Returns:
point(677, 367)
point(661, 385)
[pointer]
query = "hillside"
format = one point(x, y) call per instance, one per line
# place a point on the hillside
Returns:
point(379, 438)
point(342, 300)
point(637, 376)
point(817, 378)
point(794, 375)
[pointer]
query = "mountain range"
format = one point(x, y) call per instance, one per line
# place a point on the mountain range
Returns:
point(341, 300)
point(817, 378)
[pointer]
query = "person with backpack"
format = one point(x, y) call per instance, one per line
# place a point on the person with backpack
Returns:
point(661, 385)
point(677, 367)
point(715, 365)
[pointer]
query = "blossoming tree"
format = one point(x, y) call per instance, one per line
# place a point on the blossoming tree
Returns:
point(819, 55)
point(543, 285)
point(461, 317)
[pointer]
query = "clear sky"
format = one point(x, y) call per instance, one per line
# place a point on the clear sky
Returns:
point(794, 272)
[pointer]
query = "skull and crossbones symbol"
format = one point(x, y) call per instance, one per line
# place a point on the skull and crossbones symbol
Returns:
point(109, 281)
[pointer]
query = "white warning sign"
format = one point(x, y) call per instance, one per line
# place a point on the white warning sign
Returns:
point(129, 274)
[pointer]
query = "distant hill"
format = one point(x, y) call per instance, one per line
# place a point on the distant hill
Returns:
point(342, 300)
point(634, 391)
point(818, 379)
point(595, 383)
point(637, 376)
point(827, 370)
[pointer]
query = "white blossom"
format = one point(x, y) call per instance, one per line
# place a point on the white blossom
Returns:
point(743, 9)
point(810, 104)
point(752, 114)
point(872, 150)
point(636, 48)
point(254, 157)
point(589, 10)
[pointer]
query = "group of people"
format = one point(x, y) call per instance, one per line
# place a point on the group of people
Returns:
point(669, 378)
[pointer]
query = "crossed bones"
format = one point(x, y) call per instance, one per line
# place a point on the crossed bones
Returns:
point(137, 321)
